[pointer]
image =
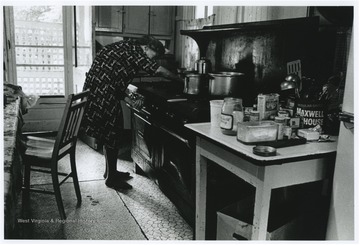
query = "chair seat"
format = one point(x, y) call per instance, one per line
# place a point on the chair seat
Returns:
point(38, 151)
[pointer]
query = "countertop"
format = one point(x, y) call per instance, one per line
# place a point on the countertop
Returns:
point(12, 163)
point(284, 155)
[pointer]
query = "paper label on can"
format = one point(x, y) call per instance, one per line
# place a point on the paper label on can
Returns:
point(226, 121)
point(311, 112)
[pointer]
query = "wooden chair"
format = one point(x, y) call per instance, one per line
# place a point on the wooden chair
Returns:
point(43, 151)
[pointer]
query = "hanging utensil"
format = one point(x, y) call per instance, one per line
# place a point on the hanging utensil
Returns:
point(294, 67)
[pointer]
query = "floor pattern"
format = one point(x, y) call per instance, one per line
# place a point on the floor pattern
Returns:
point(145, 212)
point(155, 213)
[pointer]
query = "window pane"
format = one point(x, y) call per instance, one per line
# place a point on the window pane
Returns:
point(210, 10)
point(199, 11)
point(39, 49)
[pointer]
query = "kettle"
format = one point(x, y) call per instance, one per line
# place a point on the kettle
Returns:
point(203, 66)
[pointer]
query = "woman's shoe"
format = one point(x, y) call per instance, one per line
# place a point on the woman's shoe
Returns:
point(118, 185)
point(121, 175)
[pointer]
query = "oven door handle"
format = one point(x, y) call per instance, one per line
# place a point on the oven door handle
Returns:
point(185, 141)
point(137, 110)
point(142, 118)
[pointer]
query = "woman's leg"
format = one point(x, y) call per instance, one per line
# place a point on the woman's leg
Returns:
point(114, 179)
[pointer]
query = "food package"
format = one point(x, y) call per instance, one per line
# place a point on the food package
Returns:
point(267, 105)
point(254, 132)
point(308, 134)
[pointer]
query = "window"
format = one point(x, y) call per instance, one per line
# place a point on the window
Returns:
point(53, 52)
point(38, 28)
point(203, 11)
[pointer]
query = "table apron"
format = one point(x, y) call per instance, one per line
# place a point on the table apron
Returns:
point(275, 176)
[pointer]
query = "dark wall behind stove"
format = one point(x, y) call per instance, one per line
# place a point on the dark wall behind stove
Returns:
point(261, 50)
point(262, 56)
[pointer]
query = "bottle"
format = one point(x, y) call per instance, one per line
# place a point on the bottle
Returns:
point(231, 114)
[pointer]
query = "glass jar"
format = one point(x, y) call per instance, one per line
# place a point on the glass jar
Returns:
point(254, 116)
point(231, 114)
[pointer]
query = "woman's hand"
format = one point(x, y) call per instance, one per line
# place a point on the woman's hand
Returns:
point(138, 102)
point(135, 100)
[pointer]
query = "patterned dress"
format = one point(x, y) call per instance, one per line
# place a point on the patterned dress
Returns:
point(111, 72)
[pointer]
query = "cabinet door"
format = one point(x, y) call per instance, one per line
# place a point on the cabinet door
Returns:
point(162, 20)
point(109, 18)
point(136, 19)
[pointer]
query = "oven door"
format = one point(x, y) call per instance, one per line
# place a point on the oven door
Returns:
point(146, 151)
point(142, 130)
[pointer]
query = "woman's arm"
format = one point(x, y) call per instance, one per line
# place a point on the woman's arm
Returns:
point(168, 74)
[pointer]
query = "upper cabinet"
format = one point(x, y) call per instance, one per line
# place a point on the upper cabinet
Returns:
point(109, 18)
point(161, 20)
point(136, 20)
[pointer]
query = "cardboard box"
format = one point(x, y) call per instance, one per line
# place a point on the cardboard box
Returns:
point(234, 222)
point(308, 134)
point(267, 105)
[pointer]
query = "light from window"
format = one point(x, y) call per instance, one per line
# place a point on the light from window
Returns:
point(199, 12)
point(210, 10)
point(203, 11)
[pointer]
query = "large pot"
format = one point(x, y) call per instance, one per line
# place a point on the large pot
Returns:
point(196, 84)
point(226, 83)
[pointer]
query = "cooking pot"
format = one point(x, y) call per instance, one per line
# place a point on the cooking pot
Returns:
point(226, 83)
point(195, 84)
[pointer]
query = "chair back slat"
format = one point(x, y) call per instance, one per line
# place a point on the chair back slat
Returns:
point(70, 123)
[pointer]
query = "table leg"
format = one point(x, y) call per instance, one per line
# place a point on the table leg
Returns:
point(201, 182)
point(261, 212)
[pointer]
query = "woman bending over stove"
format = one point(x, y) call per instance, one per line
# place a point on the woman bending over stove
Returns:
point(111, 72)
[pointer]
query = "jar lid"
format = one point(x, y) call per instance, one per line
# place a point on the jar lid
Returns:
point(264, 151)
point(232, 99)
point(280, 119)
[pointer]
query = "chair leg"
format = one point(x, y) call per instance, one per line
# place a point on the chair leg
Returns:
point(56, 186)
point(75, 177)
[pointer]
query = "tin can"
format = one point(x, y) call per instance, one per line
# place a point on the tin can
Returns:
point(283, 113)
point(280, 120)
point(254, 116)
point(280, 131)
point(287, 132)
point(312, 112)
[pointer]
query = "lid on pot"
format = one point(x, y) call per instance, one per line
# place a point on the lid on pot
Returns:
point(194, 75)
point(226, 74)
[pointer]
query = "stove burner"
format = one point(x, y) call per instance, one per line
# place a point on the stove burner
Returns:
point(166, 102)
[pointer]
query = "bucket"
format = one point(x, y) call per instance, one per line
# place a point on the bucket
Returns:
point(215, 111)
point(312, 112)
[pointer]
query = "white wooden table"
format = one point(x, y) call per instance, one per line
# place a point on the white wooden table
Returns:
point(292, 165)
